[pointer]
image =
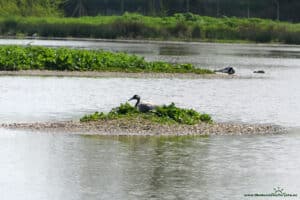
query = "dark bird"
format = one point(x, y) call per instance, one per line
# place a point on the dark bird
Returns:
point(142, 106)
point(227, 70)
point(259, 72)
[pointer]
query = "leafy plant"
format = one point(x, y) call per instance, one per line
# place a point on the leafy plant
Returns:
point(162, 114)
point(42, 58)
point(92, 117)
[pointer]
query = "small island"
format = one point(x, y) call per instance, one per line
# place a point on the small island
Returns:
point(42, 60)
point(166, 120)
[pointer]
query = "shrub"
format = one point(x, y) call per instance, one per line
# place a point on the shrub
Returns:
point(92, 117)
point(205, 118)
point(196, 33)
point(180, 30)
point(179, 115)
point(162, 114)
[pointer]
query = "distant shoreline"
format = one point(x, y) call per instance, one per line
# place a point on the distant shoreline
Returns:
point(180, 26)
point(144, 41)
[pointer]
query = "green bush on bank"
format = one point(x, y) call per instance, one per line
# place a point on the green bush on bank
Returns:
point(64, 59)
point(180, 26)
point(38, 8)
point(162, 114)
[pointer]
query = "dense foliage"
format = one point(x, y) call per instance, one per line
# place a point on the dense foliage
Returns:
point(179, 26)
point(42, 58)
point(272, 9)
point(162, 114)
point(30, 8)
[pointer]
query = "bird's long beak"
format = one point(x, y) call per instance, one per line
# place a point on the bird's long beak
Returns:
point(130, 99)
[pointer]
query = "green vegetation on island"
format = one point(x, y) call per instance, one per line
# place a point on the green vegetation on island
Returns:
point(161, 114)
point(135, 26)
point(13, 58)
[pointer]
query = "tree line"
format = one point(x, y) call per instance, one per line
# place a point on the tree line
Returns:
point(30, 7)
point(285, 10)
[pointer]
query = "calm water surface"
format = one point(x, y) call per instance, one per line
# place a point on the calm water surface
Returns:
point(50, 166)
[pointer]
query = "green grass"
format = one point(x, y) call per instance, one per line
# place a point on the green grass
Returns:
point(13, 58)
point(162, 114)
point(178, 27)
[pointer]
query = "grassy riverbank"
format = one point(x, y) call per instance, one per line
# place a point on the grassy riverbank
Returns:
point(14, 58)
point(134, 26)
point(162, 114)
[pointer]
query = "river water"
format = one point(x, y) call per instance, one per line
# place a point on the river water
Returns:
point(50, 166)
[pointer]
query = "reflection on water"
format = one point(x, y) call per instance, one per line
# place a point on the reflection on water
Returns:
point(42, 166)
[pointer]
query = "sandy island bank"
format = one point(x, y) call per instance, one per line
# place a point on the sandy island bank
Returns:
point(96, 74)
point(144, 127)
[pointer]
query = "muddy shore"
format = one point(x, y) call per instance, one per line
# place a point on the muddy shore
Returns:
point(144, 127)
point(95, 74)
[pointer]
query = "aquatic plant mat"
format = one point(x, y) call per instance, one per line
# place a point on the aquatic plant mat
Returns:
point(15, 58)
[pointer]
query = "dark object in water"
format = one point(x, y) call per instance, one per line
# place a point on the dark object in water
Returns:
point(142, 106)
point(227, 70)
point(259, 72)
